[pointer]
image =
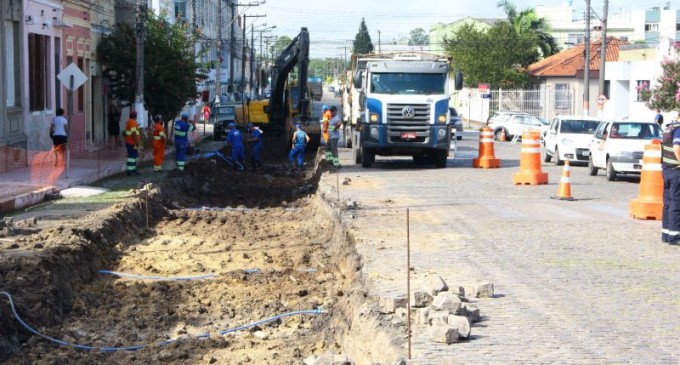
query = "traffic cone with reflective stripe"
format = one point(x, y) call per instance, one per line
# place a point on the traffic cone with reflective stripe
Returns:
point(530, 161)
point(564, 188)
point(486, 158)
point(649, 203)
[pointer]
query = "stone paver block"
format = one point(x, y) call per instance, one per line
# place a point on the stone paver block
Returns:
point(438, 317)
point(460, 323)
point(421, 315)
point(390, 305)
point(470, 311)
point(420, 299)
point(434, 284)
point(443, 333)
point(446, 301)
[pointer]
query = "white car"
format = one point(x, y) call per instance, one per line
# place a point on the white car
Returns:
point(618, 147)
point(513, 124)
point(568, 138)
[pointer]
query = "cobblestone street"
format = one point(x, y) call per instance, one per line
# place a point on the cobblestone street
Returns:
point(576, 282)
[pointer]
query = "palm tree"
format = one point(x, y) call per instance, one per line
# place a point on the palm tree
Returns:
point(526, 21)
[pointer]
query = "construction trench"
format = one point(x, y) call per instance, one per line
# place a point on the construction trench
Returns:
point(210, 266)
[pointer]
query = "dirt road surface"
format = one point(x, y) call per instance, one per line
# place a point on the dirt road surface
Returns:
point(208, 266)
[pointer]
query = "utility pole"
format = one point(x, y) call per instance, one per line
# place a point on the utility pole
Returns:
point(139, 90)
point(232, 40)
point(378, 40)
point(586, 71)
point(243, 51)
point(603, 46)
point(220, 47)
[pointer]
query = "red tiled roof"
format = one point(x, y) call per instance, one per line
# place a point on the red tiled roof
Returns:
point(572, 61)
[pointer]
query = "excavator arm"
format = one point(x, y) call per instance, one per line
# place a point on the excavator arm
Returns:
point(296, 54)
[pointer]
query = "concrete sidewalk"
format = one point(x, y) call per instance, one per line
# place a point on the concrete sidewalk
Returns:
point(26, 186)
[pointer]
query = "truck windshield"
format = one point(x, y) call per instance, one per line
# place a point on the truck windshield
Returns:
point(408, 83)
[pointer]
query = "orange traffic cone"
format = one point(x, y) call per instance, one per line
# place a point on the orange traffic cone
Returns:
point(530, 161)
point(564, 188)
point(649, 203)
point(486, 158)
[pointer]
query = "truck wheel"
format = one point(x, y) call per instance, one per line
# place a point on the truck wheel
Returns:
point(367, 157)
point(440, 158)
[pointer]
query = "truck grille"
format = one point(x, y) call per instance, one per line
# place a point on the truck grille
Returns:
point(398, 124)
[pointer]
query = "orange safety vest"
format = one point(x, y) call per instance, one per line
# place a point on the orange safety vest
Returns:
point(326, 118)
point(158, 136)
point(132, 134)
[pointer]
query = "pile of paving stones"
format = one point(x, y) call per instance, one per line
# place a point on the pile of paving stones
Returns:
point(446, 310)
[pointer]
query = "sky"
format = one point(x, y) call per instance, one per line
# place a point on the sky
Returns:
point(332, 25)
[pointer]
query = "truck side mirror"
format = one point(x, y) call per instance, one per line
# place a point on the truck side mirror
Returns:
point(458, 81)
point(357, 80)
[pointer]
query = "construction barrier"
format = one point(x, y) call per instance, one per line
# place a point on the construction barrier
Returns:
point(649, 203)
point(486, 158)
point(530, 161)
point(564, 188)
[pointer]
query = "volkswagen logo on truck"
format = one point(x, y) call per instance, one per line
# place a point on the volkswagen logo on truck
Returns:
point(408, 112)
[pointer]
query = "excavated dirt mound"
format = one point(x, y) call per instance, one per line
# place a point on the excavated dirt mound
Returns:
point(258, 245)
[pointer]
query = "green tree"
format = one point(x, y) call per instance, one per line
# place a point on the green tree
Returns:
point(666, 94)
point(280, 44)
point(418, 37)
point(170, 67)
point(498, 56)
point(527, 21)
point(362, 41)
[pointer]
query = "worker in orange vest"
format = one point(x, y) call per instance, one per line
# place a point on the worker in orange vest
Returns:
point(158, 143)
point(325, 118)
point(133, 143)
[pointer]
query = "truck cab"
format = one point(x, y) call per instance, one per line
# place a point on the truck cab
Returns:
point(404, 101)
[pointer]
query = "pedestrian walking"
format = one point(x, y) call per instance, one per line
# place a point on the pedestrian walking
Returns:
point(133, 143)
point(334, 126)
point(670, 216)
point(325, 118)
point(254, 139)
point(59, 135)
point(658, 118)
point(113, 126)
point(182, 135)
point(235, 142)
point(158, 143)
point(297, 152)
point(206, 113)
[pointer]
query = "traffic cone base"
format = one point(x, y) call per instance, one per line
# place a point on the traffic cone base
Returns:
point(486, 162)
point(649, 203)
point(564, 188)
point(646, 210)
point(486, 158)
point(530, 162)
point(530, 178)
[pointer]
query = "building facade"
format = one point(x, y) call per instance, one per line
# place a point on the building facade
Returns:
point(11, 86)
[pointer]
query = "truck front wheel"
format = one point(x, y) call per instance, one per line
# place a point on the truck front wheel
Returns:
point(367, 157)
point(440, 158)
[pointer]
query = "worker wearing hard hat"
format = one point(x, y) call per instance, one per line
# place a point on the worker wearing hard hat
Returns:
point(158, 143)
point(325, 118)
point(182, 133)
point(235, 142)
point(254, 139)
